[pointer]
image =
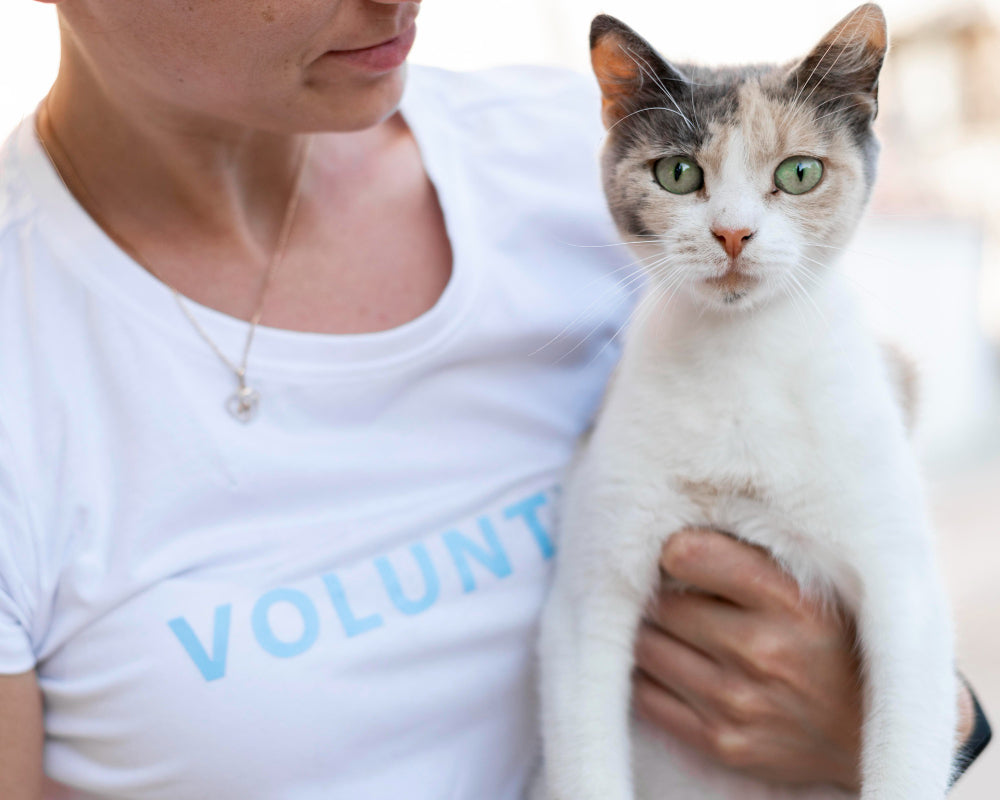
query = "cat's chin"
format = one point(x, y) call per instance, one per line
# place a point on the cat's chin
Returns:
point(732, 297)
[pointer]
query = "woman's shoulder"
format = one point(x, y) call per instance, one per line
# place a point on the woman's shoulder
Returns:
point(516, 84)
point(20, 435)
point(539, 100)
point(530, 126)
point(15, 204)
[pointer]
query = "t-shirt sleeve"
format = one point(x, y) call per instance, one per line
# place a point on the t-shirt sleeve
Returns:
point(17, 562)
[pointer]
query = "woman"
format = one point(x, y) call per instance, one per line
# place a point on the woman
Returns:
point(304, 558)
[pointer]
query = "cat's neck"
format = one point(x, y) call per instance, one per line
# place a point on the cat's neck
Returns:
point(683, 326)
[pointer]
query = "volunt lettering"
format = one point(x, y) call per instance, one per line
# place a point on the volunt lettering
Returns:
point(475, 559)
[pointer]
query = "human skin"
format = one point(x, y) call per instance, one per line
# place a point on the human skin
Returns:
point(179, 127)
point(746, 668)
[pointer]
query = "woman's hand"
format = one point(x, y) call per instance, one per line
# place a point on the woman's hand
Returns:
point(742, 667)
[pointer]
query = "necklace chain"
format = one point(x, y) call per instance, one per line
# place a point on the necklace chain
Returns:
point(243, 403)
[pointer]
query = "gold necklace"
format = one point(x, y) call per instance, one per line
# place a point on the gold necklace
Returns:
point(243, 403)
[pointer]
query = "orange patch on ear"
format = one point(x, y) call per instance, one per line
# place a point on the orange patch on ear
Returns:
point(853, 50)
point(617, 75)
point(865, 23)
point(864, 26)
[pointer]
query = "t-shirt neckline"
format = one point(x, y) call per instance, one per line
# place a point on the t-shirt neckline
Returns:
point(105, 268)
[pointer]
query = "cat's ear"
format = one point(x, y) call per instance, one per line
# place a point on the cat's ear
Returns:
point(625, 64)
point(847, 62)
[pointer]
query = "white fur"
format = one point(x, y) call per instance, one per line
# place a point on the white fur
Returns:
point(788, 395)
point(801, 409)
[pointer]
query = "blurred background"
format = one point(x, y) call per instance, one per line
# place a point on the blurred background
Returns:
point(927, 261)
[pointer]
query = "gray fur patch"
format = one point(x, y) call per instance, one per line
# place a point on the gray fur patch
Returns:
point(826, 101)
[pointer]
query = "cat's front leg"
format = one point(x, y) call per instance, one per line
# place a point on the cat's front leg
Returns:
point(587, 694)
point(586, 648)
point(905, 636)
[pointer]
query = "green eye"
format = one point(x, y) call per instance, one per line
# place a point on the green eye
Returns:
point(678, 175)
point(798, 174)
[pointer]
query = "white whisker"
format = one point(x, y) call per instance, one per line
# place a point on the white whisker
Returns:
point(792, 296)
point(836, 39)
point(646, 69)
point(653, 239)
point(646, 305)
point(840, 110)
point(641, 110)
point(628, 284)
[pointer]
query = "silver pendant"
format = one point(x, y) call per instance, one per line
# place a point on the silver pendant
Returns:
point(243, 403)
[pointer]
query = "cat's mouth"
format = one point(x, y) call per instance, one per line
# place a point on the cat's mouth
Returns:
point(733, 282)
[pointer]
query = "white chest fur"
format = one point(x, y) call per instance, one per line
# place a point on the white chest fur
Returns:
point(782, 429)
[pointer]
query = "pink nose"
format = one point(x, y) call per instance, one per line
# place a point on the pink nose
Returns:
point(732, 241)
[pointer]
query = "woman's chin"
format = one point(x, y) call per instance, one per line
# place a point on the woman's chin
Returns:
point(362, 105)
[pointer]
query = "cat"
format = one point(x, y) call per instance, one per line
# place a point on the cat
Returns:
point(749, 399)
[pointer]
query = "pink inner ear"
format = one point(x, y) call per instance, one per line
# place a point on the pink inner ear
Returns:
point(616, 73)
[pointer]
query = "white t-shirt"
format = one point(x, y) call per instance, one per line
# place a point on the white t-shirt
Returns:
point(339, 599)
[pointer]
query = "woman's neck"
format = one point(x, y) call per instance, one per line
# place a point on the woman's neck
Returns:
point(143, 168)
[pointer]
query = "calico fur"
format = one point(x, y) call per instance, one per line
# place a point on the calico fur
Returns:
point(767, 411)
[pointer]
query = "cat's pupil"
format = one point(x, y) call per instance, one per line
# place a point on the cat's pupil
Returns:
point(678, 170)
point(800, 171)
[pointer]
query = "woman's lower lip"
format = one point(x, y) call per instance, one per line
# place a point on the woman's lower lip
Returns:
point(384, 57)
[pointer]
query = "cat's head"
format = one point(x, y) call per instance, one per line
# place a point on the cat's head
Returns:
point(747, 180)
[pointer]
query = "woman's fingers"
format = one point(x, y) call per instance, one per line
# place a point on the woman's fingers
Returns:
point(668, 712)
point(688, 673)
point(718, 692)
point(714, 627)
point(746, 668)
point(733, 744)
point(721, 565)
